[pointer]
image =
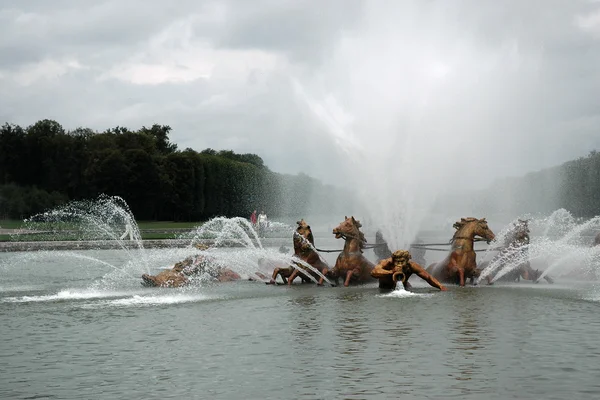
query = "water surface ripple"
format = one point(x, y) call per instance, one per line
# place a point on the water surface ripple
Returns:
point(65, 340)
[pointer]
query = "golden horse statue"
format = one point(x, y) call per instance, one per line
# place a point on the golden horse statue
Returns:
point(461, 263)
point(351, 264)
point(304, 242)
point(304, 249)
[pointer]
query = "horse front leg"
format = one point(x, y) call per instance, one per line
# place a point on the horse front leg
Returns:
point(355, 272)
point(273, 277)
point(292, 277)
point(461, 277)
point(273, 281)
point(324, 272)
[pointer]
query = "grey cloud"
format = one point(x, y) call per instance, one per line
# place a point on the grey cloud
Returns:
point(302, 31)
point(537, 114)
point(90, 30)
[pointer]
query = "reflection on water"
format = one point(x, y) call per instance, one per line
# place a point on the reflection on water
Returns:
point(352, 346)
point(467, 356)
point(246, 340)
point(305, 327)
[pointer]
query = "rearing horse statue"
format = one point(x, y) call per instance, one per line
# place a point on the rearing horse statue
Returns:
point(461, 263)
point(351, 264)
point(516, 249)
point(304, 250)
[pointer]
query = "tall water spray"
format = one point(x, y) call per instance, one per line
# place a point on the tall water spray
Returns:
point(415, 104)
point(107, 218)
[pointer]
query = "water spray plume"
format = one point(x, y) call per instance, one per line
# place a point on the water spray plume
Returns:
point(412, 101)
point(559, 244)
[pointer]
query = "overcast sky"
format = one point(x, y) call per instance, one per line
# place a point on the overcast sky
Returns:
point(459, 90)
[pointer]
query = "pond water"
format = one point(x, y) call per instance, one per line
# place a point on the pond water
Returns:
point(69, 332)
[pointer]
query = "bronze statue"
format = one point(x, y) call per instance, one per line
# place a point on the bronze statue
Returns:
point(461, 263)
point(351, 264)
point(398, 267)
point(178, 275)
point(304, 250)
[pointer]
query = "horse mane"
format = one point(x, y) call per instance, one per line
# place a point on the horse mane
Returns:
point(363, 239)
point(459, 225)
point(361, 236)
point(310, 237)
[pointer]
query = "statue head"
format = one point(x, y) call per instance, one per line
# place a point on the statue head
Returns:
point(400, 258)
point(303, 233)
point(303, 228)
point(350, 227)
point(474, 226)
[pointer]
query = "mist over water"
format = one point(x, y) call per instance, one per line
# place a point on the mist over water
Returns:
point(419, 105)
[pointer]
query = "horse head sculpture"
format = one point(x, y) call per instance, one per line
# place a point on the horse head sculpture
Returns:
point(350, 229)
point(303, 234)
point(468, 228)
point(521, 230)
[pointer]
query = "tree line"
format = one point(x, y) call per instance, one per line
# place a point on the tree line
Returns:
point(43, 166)
point(574, 186)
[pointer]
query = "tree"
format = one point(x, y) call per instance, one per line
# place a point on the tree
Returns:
point(160, 133)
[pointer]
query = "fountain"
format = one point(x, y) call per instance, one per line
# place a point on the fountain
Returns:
point(234, 244)
point(228, 232)
point(416, 108)
point(412, 105)
point(560, 245)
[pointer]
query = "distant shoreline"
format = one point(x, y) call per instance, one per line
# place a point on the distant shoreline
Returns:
point(119, 244)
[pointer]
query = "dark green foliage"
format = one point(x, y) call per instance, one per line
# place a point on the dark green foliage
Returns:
point(19, 202)
point(44, 166)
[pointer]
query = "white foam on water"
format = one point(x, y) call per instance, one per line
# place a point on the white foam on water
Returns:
point(525, 285)
point(400, 293)
point(593, 297)
point(141, 300)
point(68, 294)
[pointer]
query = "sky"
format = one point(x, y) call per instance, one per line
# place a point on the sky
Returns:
point(342, 90)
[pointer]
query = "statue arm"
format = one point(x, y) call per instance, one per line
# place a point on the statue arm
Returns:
point(382, 269)
point(420, 271)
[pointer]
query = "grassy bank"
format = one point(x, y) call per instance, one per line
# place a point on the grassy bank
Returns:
point(150, 230)
point(10, 224)
point(18, 224)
